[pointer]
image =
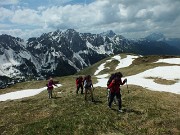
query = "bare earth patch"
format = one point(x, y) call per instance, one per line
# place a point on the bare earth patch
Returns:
point(162, 81)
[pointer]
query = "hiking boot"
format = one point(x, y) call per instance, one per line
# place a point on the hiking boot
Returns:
point(109, 107)
point(120, 110)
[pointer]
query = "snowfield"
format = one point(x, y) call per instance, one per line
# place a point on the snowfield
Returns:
point(165, 72)
point(144, 79)
point(23, 93)
point(170, 61)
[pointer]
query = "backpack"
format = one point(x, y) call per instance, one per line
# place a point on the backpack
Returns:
point(111, 78)
point(87, 84)
point(86, 81)
point(115, 76)
point(77, 79)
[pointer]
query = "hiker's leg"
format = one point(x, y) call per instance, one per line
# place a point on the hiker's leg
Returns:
point(115, 100)
point(118, 96)
point(81, 89)
point(85, 93)
point(48, 93)
point(108, 93)
point(51, 93)
point(77, 89)
point(91, 91)
point(111, 97)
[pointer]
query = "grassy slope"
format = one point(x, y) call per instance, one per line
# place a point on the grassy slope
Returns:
point(146, 112)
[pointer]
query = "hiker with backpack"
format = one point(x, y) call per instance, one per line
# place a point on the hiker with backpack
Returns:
point(79, 84)
point(108, 90)
point(50, 87)
point(88, 85)
point(114, 87)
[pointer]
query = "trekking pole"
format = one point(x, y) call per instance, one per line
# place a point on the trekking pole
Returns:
point(127, 86)
point(54, 93)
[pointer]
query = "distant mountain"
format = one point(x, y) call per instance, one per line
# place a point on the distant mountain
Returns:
point(175, 42)
point(15, 59)
point(155, 37)
point(146, 47)
point(58, 51)
point(62, 53)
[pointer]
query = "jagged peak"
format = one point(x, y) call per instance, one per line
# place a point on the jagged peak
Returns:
point(9, 37)
point(6, 36)
point(70, 31)
point(108, 33)
point(119, 36)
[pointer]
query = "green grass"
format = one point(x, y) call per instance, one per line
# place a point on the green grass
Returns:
point(145, 112)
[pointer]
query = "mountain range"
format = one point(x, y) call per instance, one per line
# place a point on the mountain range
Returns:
point(61, 53)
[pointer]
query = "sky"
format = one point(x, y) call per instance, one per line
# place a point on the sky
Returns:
point(130, 18)
point(143, 79)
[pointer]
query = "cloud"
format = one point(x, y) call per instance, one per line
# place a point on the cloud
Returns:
point(4, 26)
point(25, 34)
point(26, 16)
point(5, 14)
point(122, 16)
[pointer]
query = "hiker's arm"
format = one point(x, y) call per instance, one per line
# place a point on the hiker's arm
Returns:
point(55, 84)
point(92, 84)
point(125, 80)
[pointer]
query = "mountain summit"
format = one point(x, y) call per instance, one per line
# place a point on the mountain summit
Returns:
point(108, 33)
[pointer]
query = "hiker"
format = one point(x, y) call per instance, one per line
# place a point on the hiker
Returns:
point(88, 87)
point(50, 87)
point(114, 87)
point(79, 84)
point(108, 90)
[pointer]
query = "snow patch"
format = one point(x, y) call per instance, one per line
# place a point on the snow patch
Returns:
point(170, 61)
point(125, 62)
point(100, 68)
point(164, 72)
point(23, 93)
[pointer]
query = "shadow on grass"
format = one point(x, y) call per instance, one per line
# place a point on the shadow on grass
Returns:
point(113, 109)
point(133, 111)
point(56, 97)
point(97, 102)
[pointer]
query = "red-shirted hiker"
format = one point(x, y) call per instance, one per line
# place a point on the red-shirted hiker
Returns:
point(114, 87)
point(79, 84)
